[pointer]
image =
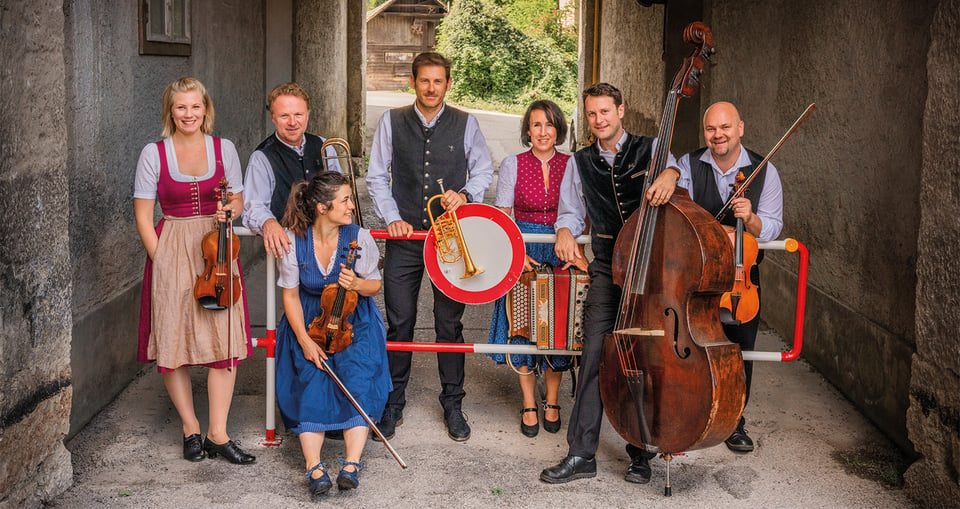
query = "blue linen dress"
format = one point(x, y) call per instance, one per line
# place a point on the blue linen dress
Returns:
point(308, 398)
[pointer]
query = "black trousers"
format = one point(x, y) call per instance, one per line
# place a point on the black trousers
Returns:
point(599, 317)
point(402, 273)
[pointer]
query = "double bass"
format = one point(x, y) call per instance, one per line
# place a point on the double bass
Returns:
point(670, 380)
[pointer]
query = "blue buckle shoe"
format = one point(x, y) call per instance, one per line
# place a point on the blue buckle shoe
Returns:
point(348, 480)
point(322, 484)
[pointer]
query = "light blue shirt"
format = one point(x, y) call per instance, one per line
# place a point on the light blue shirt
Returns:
point(770, 204)
point(572, 209)
point(479, 164)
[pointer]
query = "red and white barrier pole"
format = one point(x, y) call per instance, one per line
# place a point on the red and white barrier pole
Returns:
point(269, 343)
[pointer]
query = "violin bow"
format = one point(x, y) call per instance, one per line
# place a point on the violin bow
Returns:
point(229, 292)
point(353, 401)
point(743, 187)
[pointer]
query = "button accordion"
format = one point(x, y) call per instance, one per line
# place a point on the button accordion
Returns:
point(546, 306)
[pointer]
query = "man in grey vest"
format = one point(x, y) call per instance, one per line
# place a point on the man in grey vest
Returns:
point(286, 156)
point(414, 146)
point(709, 174)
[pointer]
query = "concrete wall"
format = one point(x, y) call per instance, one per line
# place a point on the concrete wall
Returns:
point(850, 174)
point(934, 415)
point(35, 278)
point(114, 96)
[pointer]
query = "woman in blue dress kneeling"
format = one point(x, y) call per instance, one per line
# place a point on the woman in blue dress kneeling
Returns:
point(319, 221)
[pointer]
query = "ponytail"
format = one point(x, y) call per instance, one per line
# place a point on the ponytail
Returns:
point(301, 209)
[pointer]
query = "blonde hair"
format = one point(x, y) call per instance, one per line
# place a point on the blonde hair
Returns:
point(185, 84)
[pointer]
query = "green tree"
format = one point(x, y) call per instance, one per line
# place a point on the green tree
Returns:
point(495, 61)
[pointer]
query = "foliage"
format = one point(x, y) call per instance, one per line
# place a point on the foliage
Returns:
point(498, 62)
point(373, 4)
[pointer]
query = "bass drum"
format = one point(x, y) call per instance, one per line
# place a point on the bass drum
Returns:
point(496, 246)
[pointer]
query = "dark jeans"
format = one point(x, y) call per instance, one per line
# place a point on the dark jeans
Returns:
point(402, 274)
point(599, 317)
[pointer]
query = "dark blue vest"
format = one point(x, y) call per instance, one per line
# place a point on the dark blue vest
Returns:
point(705, 185)
point(289, 167)
point(612, 194)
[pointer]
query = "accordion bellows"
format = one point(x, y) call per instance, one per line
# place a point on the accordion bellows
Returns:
point(546, 306)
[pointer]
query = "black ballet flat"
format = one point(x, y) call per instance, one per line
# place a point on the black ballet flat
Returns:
point(193, 448)
point(229, 451)
point(530, 430)
point(551, 426)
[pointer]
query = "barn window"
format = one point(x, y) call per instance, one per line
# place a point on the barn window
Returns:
point(165, 27)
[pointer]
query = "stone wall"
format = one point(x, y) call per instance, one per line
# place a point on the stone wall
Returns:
point(850, 174)
point(934, 415)
point(114, 95)
point(35, 278)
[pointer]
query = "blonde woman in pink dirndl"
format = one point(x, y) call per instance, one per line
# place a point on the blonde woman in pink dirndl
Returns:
point(183, 172)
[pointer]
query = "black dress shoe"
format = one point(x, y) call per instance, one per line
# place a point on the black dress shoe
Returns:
point(193, 448)
point(739, 441)
point(457, 427)
point(229, 451)
point(638, 471)
point(529, 430)
point(572, 467)
point(392, 417)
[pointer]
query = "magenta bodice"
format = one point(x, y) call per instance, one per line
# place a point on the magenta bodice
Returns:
point(531, 203)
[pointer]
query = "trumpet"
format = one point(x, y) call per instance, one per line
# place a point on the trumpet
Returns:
point(449, 238)
point(340, 143)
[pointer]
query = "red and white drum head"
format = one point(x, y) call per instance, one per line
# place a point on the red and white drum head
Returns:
point(495, 245)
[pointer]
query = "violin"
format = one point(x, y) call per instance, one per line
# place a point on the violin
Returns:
point(331, 329)
point(742, 303)
point(217, 287)
point(670, 380)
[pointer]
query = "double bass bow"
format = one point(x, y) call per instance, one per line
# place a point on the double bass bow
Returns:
point(670, 380)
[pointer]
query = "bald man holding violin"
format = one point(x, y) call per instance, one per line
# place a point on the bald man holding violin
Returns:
point(709, 175)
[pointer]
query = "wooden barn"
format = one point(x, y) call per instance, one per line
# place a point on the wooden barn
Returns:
point(396, 32)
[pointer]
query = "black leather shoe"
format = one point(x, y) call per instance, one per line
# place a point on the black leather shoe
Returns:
point(193, 448)
point(739, 441)
point(392, 417)
point(229, 451)
point(529, 430)
point(638, 471)
point(457, 427)
point(571, 468)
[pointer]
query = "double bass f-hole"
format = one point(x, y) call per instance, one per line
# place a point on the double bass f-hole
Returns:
point(676, 335)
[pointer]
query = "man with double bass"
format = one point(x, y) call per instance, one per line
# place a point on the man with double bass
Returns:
point(605, 183)
point(709, 174)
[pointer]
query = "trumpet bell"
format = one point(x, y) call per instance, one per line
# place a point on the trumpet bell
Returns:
point(495, 261)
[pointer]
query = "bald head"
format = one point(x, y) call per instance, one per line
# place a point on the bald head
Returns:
point(722, 130)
